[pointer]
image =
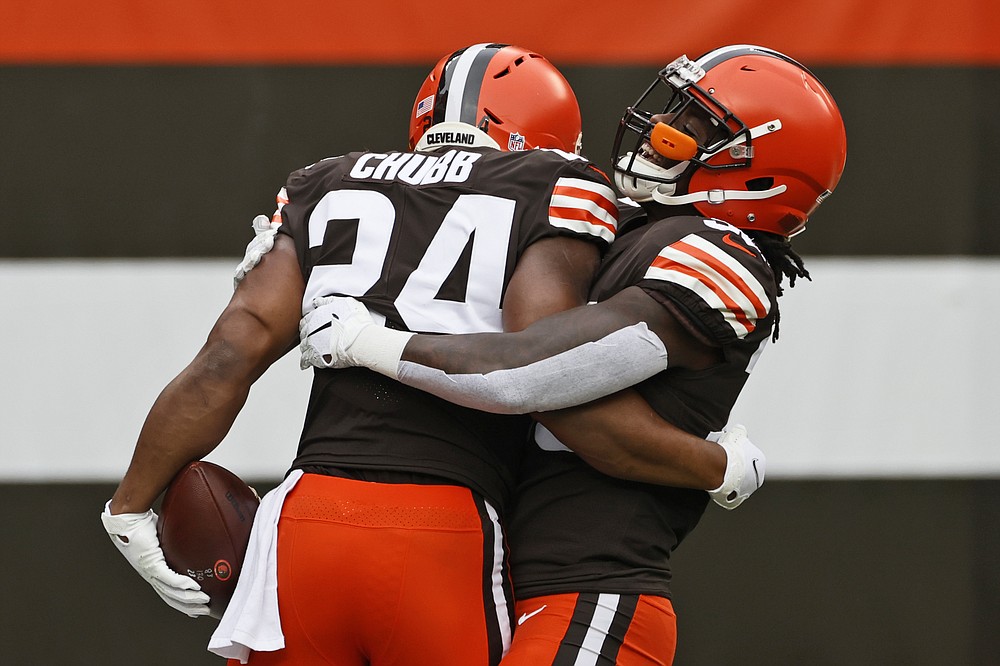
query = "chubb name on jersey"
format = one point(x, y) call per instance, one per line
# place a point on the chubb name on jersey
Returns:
point(454, 166)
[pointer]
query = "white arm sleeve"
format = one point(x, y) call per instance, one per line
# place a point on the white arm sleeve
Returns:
point(578, 375)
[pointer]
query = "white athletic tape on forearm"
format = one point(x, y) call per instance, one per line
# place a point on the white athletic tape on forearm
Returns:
point(578, 375)
point(379, 349)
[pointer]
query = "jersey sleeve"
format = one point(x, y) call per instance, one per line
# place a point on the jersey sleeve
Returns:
point(281, 200)
point(582, 202)
point(721, 283)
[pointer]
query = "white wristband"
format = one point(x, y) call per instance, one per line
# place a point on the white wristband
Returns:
point(378, 348)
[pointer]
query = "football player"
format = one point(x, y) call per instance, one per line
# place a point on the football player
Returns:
point(727, 157)
point(387, 530)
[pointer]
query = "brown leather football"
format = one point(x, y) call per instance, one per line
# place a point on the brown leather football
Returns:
point(204, 528)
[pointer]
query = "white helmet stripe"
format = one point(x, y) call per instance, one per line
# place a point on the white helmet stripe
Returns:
point(466, 80)
point(725, 53)
point(713, 58)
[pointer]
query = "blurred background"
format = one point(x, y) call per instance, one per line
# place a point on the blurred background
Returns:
point(138, 140)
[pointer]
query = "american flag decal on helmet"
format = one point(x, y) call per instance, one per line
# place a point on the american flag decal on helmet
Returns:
point(699, 265)
point(426, 105)
point(584, 206)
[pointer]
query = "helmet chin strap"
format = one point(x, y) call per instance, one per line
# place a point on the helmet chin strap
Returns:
point(713, 196)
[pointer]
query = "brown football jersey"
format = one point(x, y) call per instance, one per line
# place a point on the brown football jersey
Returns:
point(574, 529)
point(430, 240)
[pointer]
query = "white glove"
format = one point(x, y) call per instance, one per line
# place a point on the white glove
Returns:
point(264, 230)
point(135, 536)
point(340, 332)
point(745, 465)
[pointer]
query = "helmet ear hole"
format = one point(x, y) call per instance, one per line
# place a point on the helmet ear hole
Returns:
point(760, 184)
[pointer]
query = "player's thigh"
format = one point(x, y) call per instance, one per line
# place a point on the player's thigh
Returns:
point(402, 575)
point(321, 596)
point(602, 629)
point(457, 602)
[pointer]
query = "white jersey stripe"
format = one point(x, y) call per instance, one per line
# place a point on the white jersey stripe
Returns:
point(603, 195)
point(740, 294)
point(282, 200)
point(584, 206)
point(593, 642)
point(709, 280)
point(589, 185)
point(592, 207)
point(582, 227)
point(750, 287)
point(722, 282)
point(705, 293)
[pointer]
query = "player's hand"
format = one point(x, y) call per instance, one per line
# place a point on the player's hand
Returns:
point(745, 465)
point(329, 331)
point(263, 240)
point(135, 536)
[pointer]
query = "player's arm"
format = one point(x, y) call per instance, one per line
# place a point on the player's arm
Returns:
point(566, 359)
point(622, 436)
point(567, 331)
point(565, 266)
point(195, 411)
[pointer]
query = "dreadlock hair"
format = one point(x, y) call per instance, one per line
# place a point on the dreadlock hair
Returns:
point(784, 261)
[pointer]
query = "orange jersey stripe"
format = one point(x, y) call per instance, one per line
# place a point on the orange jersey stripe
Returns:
point(580, 214)
point(579, 193)
point(724, 270)
point(734, 308)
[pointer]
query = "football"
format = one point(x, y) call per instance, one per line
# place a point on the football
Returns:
point(204, 528)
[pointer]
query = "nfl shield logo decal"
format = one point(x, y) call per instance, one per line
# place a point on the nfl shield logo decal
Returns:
point(516, 142)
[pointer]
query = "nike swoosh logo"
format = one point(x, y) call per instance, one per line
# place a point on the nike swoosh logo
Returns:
point(533, 613)
point(728, 240)
point(755, 472)
point(321, 328)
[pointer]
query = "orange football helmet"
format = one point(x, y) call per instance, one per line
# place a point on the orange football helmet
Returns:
point(514, 96)
point(771, 145)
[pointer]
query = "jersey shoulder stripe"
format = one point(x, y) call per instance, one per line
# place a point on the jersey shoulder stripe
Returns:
point(716, 277)
point(584, 206)
point(281, 199)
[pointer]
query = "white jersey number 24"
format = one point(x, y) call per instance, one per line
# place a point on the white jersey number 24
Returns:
point(487, 219)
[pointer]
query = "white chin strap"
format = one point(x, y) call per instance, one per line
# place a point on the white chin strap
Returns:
point(714, 196)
